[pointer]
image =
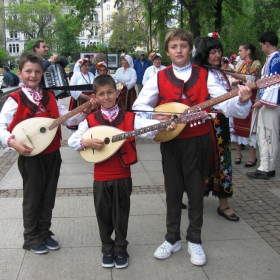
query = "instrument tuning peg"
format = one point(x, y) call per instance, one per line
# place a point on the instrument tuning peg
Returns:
point(194, 123)
point(191, 125)
point(199, 122)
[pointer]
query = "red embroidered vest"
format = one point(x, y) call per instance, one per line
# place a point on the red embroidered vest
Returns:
point(118, 165)
point(171, 89)
point(27, 109)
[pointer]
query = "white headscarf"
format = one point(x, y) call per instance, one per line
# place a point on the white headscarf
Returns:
point(129, 59)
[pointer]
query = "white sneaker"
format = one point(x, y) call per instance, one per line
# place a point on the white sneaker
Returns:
point(164, 251)
point(197, 254)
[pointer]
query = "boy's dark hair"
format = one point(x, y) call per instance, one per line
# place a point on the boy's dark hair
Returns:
point(269, 37)
point(179, 33)
point(103, 80)
point(31, 57)
point(37, 45)
point(204, 47)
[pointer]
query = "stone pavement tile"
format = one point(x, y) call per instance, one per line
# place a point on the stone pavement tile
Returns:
point(74, 207)
point(12, 179)
point(217, 228)
point(10, 263)
point(152, 165)
point(66, 263)
point(157, 177)
point(11, 232)
point(146, 229)
point(147, 205)
point(74, 232)
point(141, 178)
point(11, 208)
point(241, 259)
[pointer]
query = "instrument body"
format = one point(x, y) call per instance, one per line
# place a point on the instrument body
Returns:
point(55, 76)
point(38, 133)
point(114, 137)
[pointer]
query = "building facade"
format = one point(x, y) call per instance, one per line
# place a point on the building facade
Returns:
point(97, 32)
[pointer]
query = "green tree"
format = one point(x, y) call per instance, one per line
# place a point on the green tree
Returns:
point(3, 54)
point(67, 32)
point(35, 18)
point(129, 28)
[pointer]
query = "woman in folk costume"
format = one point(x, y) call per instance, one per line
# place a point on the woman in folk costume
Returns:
point(81, 77)
point(153, 69)
point(126, 77)
point(101, 68)
point(250, 67)
point(219, 175)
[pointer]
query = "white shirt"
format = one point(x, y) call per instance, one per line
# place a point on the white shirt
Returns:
point(10, 107)
point(129, 77)
point(150, 72)
point(81, 79)
point(148, 97)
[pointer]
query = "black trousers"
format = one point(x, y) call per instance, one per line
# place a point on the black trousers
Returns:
point(112, 207)
point(185, 162)
point(40, 176)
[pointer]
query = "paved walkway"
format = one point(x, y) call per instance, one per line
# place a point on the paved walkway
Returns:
point(248, 249)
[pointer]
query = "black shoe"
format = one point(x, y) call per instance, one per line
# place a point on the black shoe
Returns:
point(121, 262)
point(108, 261)
point(232, 217)
point(183, 206)
point(258, 175)
point(51, 243)
point(42, 249)
point(250, 164)
point(271, 173)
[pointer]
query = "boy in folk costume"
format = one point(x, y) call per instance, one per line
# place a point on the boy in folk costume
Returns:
point(191, 85)
point(112, 178)
point(40, 173)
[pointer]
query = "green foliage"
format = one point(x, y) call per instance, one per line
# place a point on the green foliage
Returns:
point(67, 32)
point(34, 18)
point(3, 54)
point(129, 29)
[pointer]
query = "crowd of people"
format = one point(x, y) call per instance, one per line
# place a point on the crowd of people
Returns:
point(197, 161)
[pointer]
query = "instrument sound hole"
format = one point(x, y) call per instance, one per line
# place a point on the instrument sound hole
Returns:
point(43, 130)
point(106, 140)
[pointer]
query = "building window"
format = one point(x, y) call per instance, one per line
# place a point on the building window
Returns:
point(82, 33)
point(82, 44)
point(17, 46)
point(108, 17)
point(108, 7)
point(13, 35)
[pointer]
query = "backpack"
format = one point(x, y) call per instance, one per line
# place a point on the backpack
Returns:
point(16, 78)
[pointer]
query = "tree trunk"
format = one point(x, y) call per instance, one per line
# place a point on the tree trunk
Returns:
point(218, 16)
point(193, 18)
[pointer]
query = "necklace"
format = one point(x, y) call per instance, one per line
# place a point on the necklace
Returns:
point(89, 81)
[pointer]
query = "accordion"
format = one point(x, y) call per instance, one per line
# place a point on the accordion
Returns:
point(55, 76)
